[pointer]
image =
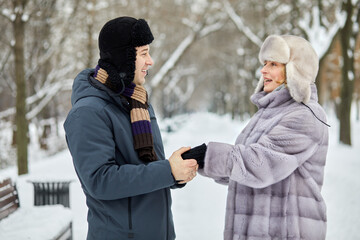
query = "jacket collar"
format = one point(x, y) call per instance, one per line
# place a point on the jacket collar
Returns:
point(115, 97)
point(85, 85)
point(276, 98)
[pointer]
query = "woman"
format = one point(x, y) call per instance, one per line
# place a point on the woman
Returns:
point(275, 170)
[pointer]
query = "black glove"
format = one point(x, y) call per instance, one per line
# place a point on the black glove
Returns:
point(197, 153)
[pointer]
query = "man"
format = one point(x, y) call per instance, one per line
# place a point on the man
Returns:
point(115, 141)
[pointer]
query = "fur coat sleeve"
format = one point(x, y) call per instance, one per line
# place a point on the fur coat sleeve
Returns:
point(266, 153)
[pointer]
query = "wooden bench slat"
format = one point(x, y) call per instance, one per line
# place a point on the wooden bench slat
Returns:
point(66, 234)
point(7, 191)
point(8, 211)
point(9, 200)
point(5, 182)
point(12, 199)
point(9, 203)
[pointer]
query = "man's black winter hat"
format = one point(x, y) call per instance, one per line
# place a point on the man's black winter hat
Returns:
point(117, 41)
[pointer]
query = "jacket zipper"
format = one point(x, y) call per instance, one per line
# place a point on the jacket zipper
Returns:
point(130, 234)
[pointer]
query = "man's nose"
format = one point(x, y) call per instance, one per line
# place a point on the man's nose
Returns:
point(149, 61)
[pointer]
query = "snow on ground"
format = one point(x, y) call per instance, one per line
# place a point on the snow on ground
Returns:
point(199, 208)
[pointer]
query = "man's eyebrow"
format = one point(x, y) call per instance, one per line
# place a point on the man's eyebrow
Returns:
point(145, 49)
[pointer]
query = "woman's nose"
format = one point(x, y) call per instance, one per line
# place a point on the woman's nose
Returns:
point(263, 69)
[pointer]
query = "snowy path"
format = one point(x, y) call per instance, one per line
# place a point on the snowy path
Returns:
point(199, 208)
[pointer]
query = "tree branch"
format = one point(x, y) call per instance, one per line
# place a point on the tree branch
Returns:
point(170, 63)
point(179, 51)
point(240, 25)
point(7, 14)
point(46, 94)
point(10, 84)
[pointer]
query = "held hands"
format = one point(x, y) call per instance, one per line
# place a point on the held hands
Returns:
point(183, 171)
point(197, 153)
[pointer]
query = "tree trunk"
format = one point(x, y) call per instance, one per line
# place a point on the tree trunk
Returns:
point(357, 109)
point(319, 85)
point(20, 118)
point(90, 31)
point(347, 81)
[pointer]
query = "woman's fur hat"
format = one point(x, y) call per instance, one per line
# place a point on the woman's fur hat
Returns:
point(302, 63)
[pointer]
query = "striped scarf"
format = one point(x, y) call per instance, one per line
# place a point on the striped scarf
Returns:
point(139, 116)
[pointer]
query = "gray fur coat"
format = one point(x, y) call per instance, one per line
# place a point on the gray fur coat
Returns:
point(274, 171)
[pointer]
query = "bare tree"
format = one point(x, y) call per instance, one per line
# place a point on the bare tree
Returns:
point(30, 76)
point(321, 30)
point(174, 97)
point(18, 20)
point(348, 36)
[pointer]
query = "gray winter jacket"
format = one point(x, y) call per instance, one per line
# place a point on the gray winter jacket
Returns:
point(274, 171)
point(126, 198)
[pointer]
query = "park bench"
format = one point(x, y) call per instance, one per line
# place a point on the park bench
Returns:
point(37, 222)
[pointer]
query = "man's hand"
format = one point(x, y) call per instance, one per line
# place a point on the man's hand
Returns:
point(183, 171)
point(197, 153)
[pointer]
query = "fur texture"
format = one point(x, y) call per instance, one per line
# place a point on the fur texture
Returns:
point(274, 171)
point(302, 63)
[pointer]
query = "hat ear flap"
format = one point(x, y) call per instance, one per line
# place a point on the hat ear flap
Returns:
point(302, 68)
point(260, 85)
point(114, 81)
point(297, 83)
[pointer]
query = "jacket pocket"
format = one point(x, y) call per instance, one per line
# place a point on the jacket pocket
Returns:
point(130, 234)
